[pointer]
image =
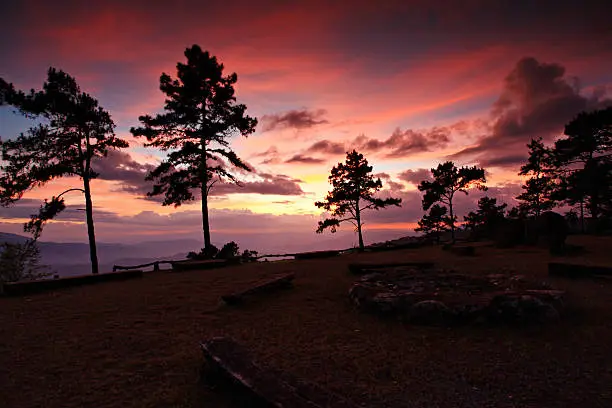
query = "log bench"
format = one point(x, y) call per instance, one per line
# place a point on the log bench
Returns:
point(265, 386)
point(316, 254)
point(365, 268)
point(576, 271)
point(271, 285)
point(43, 285)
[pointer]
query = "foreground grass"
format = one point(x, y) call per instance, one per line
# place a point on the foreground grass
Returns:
point(135, 343)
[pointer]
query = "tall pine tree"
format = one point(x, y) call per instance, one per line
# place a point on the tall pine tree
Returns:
point(448, 181)
point(200, 116)
point(540, 187)
point(74, 130)
point(353, 192)
point(583, 160)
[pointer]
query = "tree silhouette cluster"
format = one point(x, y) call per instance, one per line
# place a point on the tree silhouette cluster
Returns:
point(201, 115)
point(575, 171)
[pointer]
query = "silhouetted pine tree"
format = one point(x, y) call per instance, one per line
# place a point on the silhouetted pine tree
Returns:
point(200, 115)
point(353, 192)
point(540, 188)
point(583, 161)
point(449, 180)
point(74, 130)
point(434, 223)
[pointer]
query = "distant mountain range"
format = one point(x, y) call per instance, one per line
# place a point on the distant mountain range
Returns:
point(69, 258)
point(72, 258)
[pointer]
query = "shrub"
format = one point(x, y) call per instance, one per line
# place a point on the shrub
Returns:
point(228, 251)
point(21, 262)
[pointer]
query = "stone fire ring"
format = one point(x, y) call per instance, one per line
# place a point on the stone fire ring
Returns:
point(431, 297)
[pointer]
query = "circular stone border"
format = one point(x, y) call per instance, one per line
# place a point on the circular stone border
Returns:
point(441, 297)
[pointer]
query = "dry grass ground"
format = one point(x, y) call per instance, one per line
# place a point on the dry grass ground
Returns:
point(135, 343)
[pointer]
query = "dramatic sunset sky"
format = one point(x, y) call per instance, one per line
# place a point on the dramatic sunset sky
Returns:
point(408, 83)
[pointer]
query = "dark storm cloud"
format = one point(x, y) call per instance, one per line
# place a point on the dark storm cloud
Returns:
point(298, 158)
point(270, 184)
point(403, 142)
point(415, 176)
point(26, 207)
point(294, 119)
point(327, 147)
point(119, 166)
point(538, 99)
point(388, 182)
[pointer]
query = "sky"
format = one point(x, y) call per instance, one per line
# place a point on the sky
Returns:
point(408, 83)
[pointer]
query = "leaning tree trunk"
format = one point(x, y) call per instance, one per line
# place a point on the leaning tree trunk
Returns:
point(93, 254)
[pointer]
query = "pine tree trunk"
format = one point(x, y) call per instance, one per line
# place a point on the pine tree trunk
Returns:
point(452, 220)
point(358, 219)
point(204, 190)
point(361, 246)
point(93, 254)
point(205, 224)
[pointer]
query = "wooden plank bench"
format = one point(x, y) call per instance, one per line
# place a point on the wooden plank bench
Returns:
point(265, 385)
point(576, 271)
point(365, 268)
point(316, 254)
point(270, 285)
point(29, 287)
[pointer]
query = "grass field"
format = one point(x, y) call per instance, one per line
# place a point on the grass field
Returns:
point(136, 343)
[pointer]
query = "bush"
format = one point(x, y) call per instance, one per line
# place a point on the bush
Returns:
point(249, 256)
point(21, 262)
point(228, 251)
point(209, 252)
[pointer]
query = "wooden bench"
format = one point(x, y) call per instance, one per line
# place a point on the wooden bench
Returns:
point(271, 285)
point(316, 254)
point(29, 287)
point(265, 385)
point(576, 271)
point(365, 268)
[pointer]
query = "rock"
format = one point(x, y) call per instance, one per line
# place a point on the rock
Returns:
point(521, 309)
point(429, 312)
point(442, 297)
point(386, 303)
